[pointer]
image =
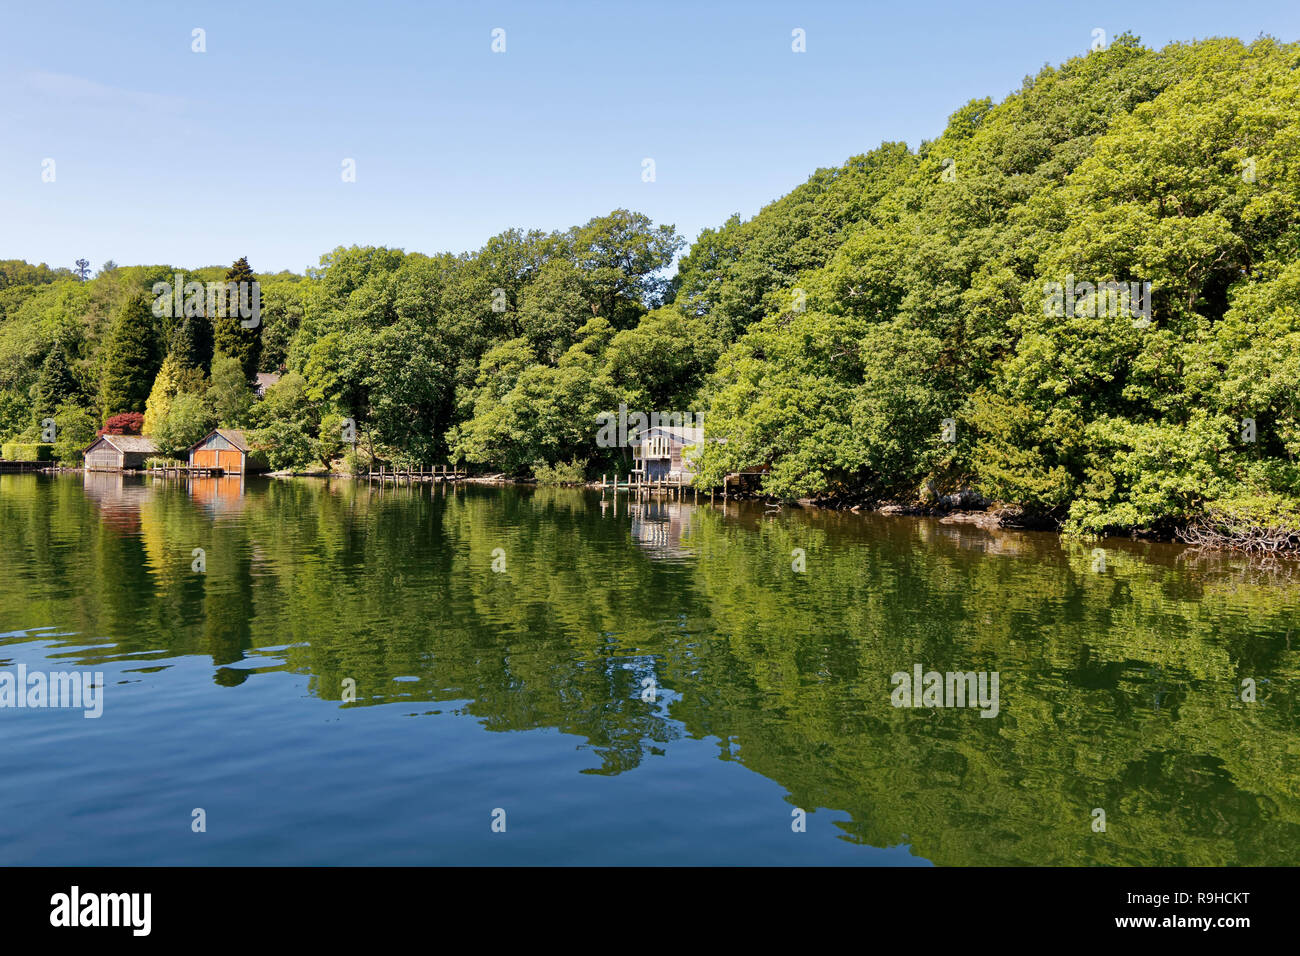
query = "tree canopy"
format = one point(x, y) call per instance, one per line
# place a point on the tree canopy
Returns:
point(1079, 301)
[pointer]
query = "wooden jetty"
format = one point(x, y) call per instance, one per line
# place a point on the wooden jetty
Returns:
point(437, 473)
point(185, 471)
point(637, 484)
point(676, 486)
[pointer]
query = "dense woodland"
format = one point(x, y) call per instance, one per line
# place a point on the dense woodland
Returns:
point(829, 336)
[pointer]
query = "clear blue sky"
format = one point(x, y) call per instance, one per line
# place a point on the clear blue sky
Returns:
point(165, 155)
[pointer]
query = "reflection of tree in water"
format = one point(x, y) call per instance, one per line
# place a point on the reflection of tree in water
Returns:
point(1118, 690)
point(229, 676)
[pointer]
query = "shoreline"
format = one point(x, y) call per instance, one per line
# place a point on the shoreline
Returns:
point(962, 508)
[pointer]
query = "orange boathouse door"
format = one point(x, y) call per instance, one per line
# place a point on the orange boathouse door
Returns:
point(230, 461)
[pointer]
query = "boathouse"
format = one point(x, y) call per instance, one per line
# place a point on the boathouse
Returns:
point(118, 452)
point(227, 449)
point(665, 452)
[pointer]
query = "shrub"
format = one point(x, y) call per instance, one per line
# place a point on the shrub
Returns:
point(284, 444)
point(27, 451)
point(357, 461)
point(1267, 523)
point(123, 423)
point(561, 473)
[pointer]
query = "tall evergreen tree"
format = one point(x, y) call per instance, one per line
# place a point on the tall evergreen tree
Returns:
point(229, 335)
point(130, 358)
point(191, 343)
point(56, 383)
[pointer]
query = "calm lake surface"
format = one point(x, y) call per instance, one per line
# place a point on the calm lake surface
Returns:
point(523, 689)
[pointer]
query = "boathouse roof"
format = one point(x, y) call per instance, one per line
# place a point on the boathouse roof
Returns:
point(233, 435)
point(126, 443)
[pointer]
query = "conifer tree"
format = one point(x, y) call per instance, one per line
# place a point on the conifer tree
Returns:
point(191, 343)
point(230, 337)
point(130, 358)
point(56, 383)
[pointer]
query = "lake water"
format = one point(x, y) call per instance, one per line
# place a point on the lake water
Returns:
point(624, 684)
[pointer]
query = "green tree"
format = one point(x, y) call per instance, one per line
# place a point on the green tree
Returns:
point(230, 336)
point(229, 394)
point(15, 414)
point(289, 426)
point(191, 343)
point(621, 257)
point(188, 419)
point(130, 358)
point(173, 378)
point(57, 384)
point(75, 428)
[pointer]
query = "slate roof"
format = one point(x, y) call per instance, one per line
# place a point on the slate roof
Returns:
point(128, 443)
point(232, 435)
point(235, 437)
